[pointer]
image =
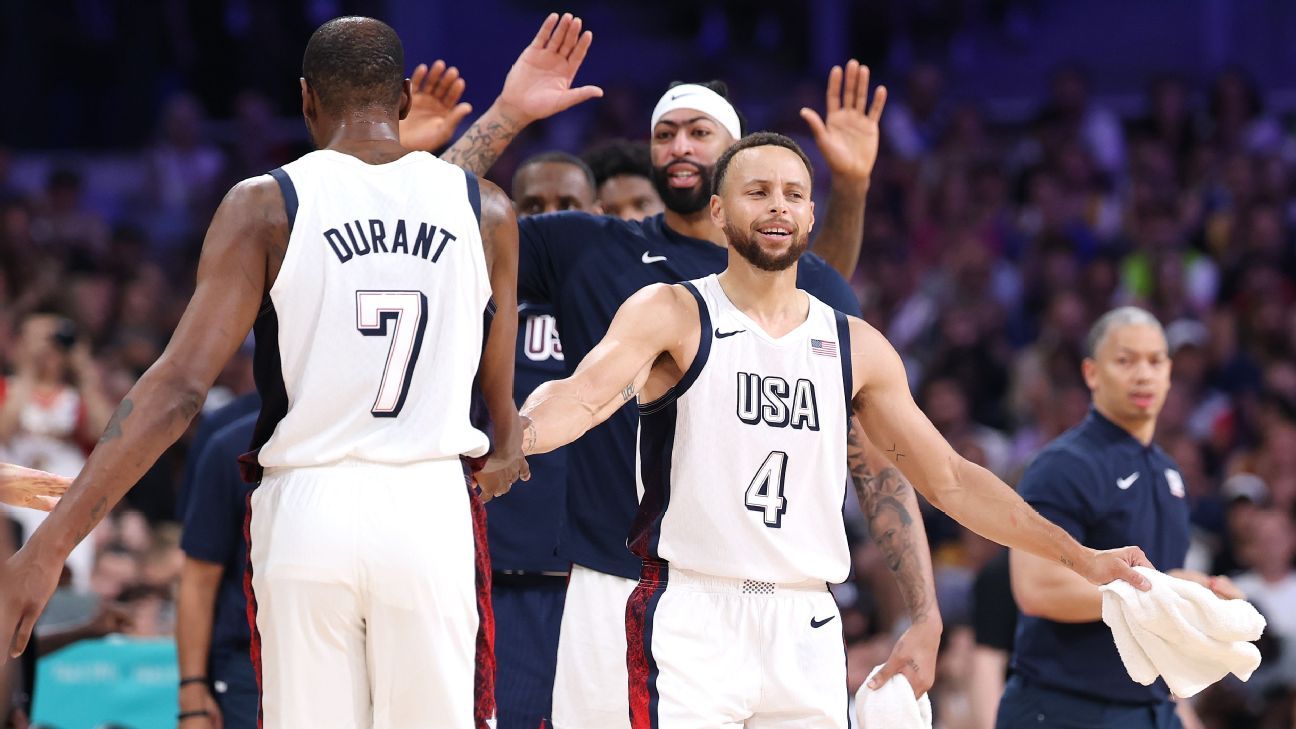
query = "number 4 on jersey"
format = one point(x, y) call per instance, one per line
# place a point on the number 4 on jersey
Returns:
point(406, 311)
point(765, 492)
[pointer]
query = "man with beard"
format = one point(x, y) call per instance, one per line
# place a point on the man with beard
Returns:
point(586, 266)
point(739, 542)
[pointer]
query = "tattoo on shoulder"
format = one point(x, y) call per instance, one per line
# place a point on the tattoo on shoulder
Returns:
point(628, 393)
point(114, 429)
point(895, 455)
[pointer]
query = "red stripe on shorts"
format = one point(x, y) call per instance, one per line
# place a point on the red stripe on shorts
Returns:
point(640, 666)
point(252, 606)
point(484, 677)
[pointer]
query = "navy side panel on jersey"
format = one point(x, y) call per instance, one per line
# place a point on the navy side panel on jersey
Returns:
point(586, 266)
point(523, 528)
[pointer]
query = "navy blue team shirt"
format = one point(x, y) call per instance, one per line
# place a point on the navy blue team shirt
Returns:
point(1107, 490)
point(522, 530)
point(213, 531)
point(585, 266)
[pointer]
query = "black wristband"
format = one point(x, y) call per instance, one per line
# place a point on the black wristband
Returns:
point(192, 714)
point(192, 679)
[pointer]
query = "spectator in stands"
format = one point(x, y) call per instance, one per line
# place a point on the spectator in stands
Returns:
point(53, 407)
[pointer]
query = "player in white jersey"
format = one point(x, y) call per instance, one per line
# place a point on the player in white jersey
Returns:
point(751, 392)
point(366, 269)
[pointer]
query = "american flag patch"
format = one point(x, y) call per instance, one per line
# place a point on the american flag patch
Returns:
point(823, 347)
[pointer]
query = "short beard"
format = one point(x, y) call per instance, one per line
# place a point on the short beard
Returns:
point(744, 241)
point(681, 200)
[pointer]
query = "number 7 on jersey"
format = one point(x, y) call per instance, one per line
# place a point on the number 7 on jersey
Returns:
point(406, 313)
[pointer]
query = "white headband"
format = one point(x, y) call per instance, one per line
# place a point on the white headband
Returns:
point(699, 98)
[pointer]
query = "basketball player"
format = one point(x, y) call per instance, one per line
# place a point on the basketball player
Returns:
point(528, 580)
point(623, 178)
point(748, 388)
point(550, 182)
point(586, 266)
point(366, 269)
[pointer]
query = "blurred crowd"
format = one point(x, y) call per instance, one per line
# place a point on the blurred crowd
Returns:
point(989, 249)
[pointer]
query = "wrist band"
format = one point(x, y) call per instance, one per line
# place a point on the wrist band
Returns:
point(193, 679)
point(191, 714)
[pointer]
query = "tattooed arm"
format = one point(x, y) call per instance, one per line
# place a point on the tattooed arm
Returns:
point(656, 324)
point(249, 229)
point(960, 488)
point(896, 527)
point(538, 86)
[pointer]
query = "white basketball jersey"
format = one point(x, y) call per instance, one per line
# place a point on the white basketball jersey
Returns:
point(370, 339)
point(742, 465)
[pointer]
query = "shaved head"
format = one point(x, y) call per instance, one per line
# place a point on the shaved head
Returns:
point(355, 63)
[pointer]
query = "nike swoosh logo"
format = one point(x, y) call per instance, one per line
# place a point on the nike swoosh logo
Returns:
point(721, 335)
point(652, 259)
point(820, 623)
point(1124, 483)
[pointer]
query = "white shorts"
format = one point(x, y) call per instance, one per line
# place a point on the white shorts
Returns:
point(712, 652)
point(590, 681)
point(364, 588)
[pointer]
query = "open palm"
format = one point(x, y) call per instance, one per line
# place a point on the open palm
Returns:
point(540, 83)
point(435, 109)
point(849, 134)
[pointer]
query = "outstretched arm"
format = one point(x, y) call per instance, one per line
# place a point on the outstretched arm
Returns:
point(30, 488)
point(538, 86)
point(500, 239)
point(648, 324)
point(232, 279)
point(964, 490)
point(848, 139)
point(896, 527)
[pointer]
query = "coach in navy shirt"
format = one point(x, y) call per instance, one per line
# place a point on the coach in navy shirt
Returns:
point(212, 634)
point(1106, 484)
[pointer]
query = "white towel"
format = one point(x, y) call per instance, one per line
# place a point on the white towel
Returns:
point(892, 705)
point(1181, 631)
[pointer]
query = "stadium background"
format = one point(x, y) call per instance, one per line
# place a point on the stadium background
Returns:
point(1042, 162)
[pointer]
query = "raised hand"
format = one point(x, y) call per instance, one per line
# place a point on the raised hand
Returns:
point(540, 83)
point(30, 488)
point(435, 110)
point(848, 136)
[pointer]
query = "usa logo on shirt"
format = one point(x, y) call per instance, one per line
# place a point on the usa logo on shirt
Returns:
point(823, 347)
point(1176, 482)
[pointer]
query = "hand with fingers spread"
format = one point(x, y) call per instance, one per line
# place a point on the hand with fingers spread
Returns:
point(914, 655)
point(435, 110)
point(540, 83)
point(1107, 565)
point(30, 488)
point(848, 136)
